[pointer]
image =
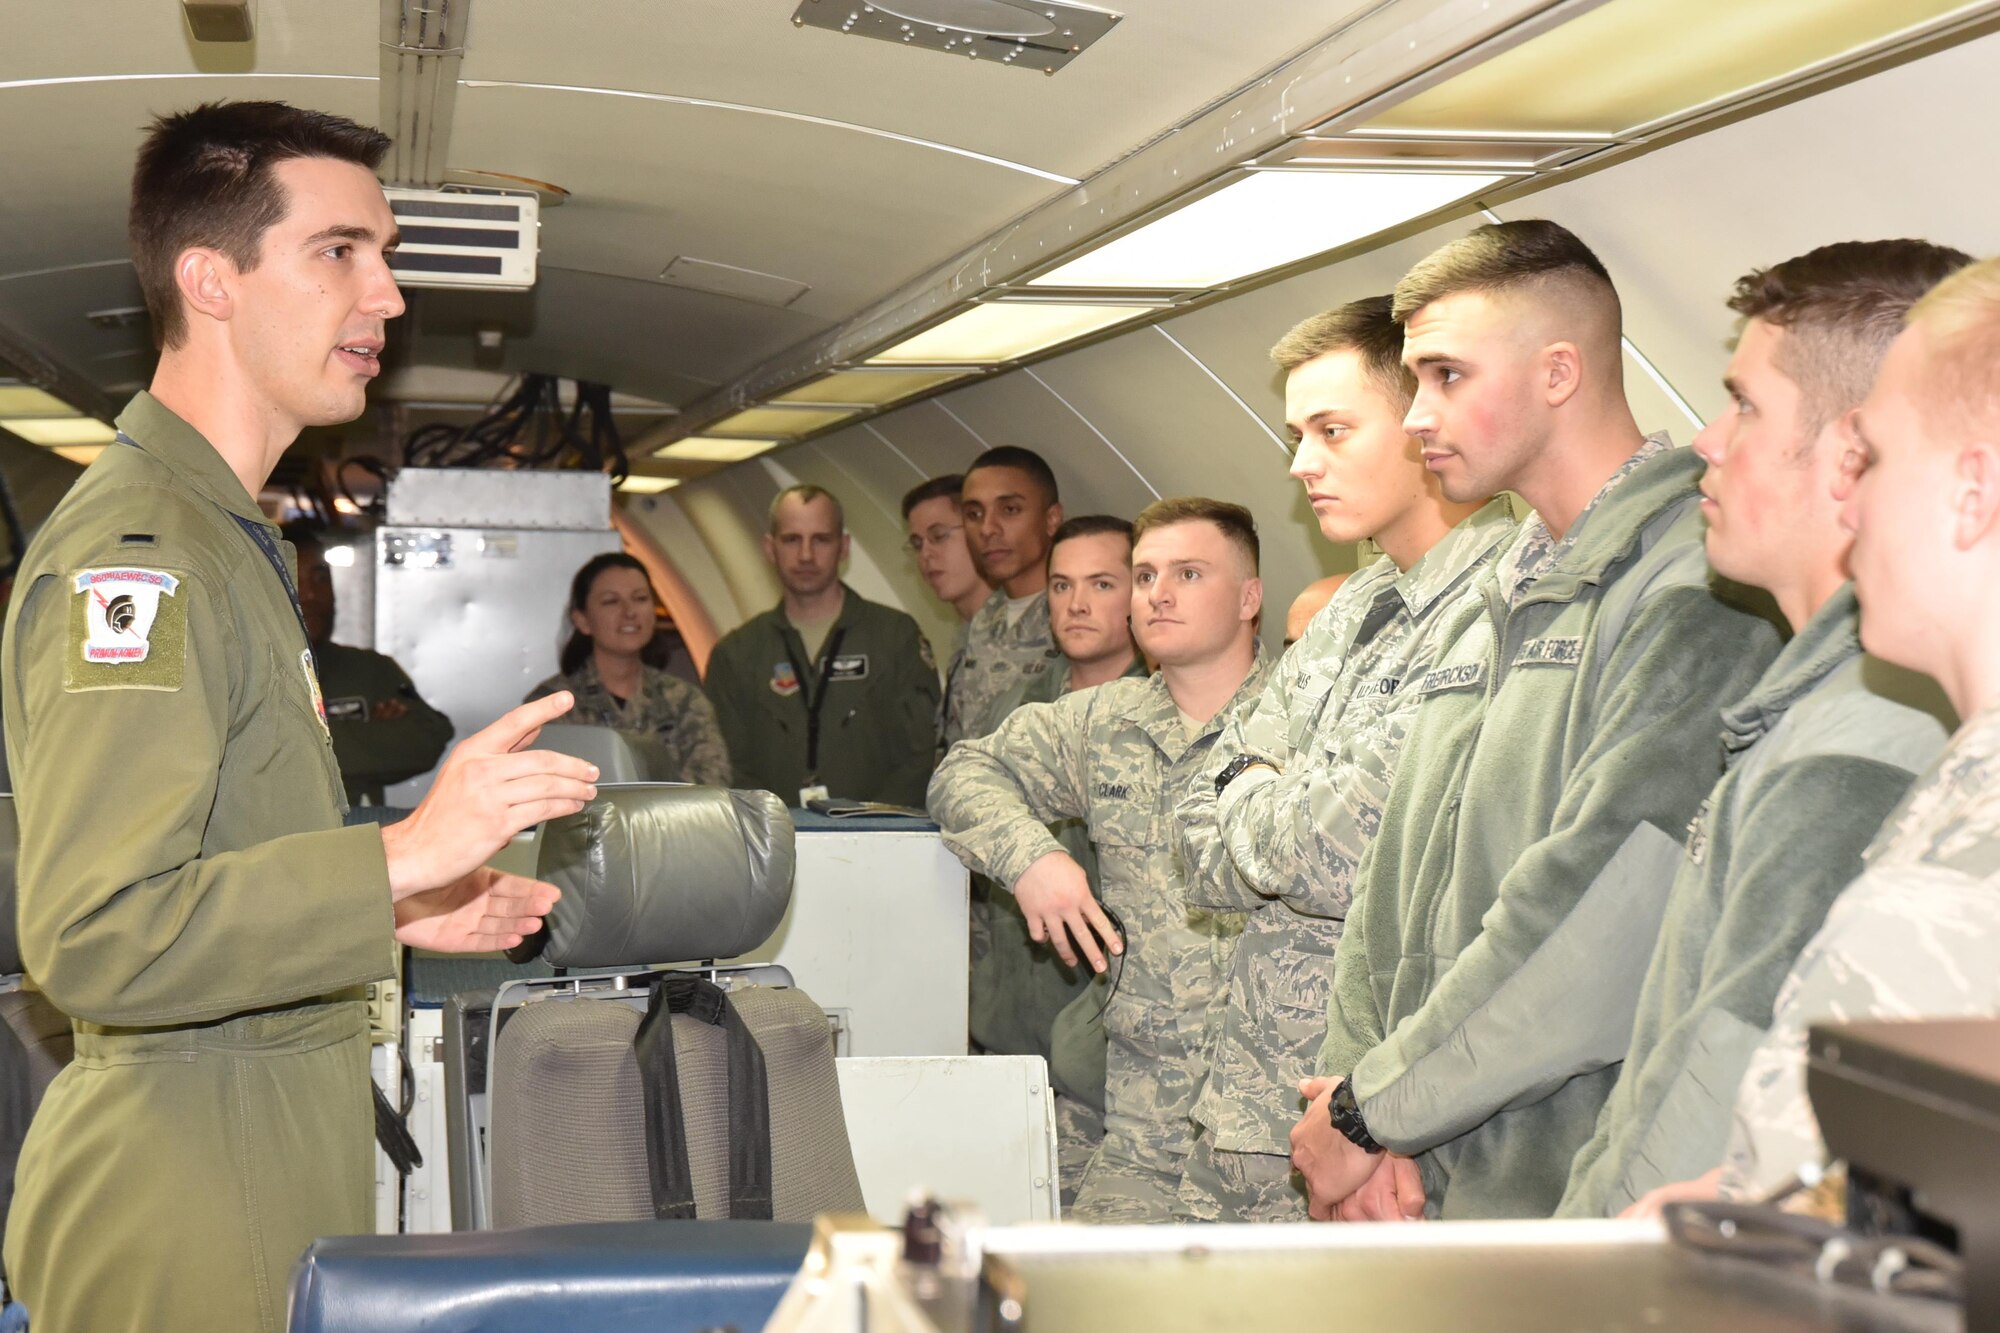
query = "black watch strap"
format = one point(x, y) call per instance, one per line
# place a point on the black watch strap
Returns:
point(1346, 1116)
point(1235, 768)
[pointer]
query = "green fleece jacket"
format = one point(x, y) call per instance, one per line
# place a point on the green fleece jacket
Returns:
point(1485, 987)
point(1818, 755)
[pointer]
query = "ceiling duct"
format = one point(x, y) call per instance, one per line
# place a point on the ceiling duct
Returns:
point(423, 42)
point(1044, 36)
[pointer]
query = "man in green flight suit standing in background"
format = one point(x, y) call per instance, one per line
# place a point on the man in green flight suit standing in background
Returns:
point(188, 895)
point(827, 693)
point(383, 730)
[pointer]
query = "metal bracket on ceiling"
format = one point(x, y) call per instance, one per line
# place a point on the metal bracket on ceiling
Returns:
point(423, 43)
point(50, 376)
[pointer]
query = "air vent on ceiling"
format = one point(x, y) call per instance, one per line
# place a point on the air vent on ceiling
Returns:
point(465, 238)
point(1044, 36)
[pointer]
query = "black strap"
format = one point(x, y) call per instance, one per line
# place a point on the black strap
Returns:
point(749, 1101)
point(816, 689)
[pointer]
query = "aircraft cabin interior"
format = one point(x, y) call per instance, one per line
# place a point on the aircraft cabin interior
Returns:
point(669, 272)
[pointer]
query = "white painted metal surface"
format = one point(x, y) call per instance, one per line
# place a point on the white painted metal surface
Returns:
point(876, 933)
point(458, 497)
point(977, 1129)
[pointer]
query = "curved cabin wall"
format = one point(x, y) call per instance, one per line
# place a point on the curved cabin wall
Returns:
point(1906, 152)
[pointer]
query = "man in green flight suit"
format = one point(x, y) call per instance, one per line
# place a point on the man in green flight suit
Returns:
point(382, 729)
point(827, 693)
point(188, 895)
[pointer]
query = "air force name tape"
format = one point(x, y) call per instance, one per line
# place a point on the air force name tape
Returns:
point(128, 630)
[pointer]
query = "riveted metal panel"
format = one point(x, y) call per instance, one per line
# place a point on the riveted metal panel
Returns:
point(489, 498)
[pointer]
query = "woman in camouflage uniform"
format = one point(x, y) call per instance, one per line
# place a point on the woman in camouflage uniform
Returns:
point(606, 665)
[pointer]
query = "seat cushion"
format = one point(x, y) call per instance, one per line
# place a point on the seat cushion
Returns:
point(591, 1278)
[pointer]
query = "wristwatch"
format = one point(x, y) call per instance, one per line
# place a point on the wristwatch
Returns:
point(1236, 767)
point(1346, 1117)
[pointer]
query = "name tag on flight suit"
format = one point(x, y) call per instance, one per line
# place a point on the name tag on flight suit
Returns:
point(850, 666)
point(351, 709)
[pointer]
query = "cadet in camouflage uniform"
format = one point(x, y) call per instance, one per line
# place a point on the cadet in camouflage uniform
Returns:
point(1025, 999)
point(1011, 512)
point(1487, 974)
point(611, 630)
point(1308, 767)
point(382, 729)
point(1817, 754)
point(187, 894)
point(1118, 757)
point(1917, 935)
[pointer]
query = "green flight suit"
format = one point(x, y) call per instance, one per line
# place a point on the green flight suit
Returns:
point(189, 897)
point(372, 752)
point(875, 725)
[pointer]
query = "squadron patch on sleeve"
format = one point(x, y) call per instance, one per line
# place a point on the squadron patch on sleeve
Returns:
point(129, 631)
point(312, 688)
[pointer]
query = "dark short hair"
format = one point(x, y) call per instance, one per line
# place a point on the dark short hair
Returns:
point(1840, 307)
point(1091, 525)
point(1531, 253)
point(1366, 327)
point(577, 646)
point(1237, 523)
point(205, 177)
point(805, 493)
point(1021, 460)
point(937, 488)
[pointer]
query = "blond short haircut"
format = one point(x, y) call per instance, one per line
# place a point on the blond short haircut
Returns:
point(1960, 318)
point(1236, 522)
point(1365, 327)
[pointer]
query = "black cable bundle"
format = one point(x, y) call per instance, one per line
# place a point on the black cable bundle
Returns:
point(529, 428)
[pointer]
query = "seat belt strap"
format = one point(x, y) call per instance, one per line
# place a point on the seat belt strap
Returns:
point(672, 1178)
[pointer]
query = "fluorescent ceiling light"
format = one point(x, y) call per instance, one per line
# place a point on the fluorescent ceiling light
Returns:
point(53, 431)
point(873, 388)
point(1631, 63)
point(84, 454)
point(785, 423)
point(1266, 220)
point(648, 485)
point(998, 331)
point(24, 400)
point(710, 449)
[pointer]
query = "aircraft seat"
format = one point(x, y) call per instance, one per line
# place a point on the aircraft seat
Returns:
point(595, 1278)
point(662, 1093)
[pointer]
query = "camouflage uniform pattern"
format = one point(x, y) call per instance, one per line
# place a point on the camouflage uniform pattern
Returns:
point(1286, 848)
point(1117, 756)
point(667, 708)
point(993, 661)
point(1537, 551)
point(1914, 937)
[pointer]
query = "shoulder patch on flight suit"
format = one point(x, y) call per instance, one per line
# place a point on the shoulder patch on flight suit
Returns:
point(848, 666)
point(1550, 652)
point(924, 651)
point(128, 630)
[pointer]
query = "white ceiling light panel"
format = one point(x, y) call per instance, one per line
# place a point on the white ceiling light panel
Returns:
point(1265, 220)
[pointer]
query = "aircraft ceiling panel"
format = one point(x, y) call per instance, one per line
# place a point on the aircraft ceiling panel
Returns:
point(151, 36)
point(664, 343)
point(850, 215)
point(928, 441)
point(48, 310)
point(1165, 60)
